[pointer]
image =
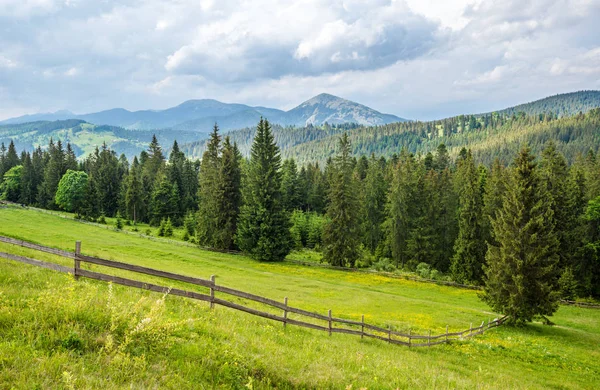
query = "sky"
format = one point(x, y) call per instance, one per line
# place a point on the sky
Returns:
point(418, 59)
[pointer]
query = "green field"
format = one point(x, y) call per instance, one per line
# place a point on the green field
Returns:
point(59, 333)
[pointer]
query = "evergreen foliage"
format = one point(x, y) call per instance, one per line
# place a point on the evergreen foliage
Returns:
point(341, 234)
point(263, 226)
point(522, 273)
point(469, 247)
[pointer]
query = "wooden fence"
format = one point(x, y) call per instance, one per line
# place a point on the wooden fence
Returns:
point(325, 322)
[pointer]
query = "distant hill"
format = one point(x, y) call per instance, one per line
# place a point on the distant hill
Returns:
point(84, 136)
point(201, 115)
point(562, 105)
point(489, 136)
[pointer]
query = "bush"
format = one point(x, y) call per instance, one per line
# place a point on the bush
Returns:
point(384, 264)
point(189, 224)
point(568, 284)
point(102, 219)
point(118, 222)
point(424, 270)
point(166, 228)
point(148, 232)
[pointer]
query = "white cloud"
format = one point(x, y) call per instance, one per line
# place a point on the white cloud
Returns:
point(413, 58)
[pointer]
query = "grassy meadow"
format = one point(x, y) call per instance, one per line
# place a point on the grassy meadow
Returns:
point(59, 333)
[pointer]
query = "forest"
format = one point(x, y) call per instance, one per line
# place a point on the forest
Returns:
point(467, 217)
point(489, 136)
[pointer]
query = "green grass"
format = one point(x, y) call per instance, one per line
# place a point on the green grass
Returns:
point(56, 332)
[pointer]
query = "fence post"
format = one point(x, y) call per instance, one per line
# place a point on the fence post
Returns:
point(446, 333)
point(285, 312)
point(330, 322)
point(362, 328)
point(77, 261)
point(429, 339)
point(390, 334)
point(212, 291)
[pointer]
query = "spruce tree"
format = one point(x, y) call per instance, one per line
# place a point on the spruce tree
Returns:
point(375, 196)
point(210, 195)
point(554, 173)
point(231, 177)
point(341, 234)
point(290, 186)
point(495, 188)
point(469, 247)
point(165, 200)
point(263, 226)
point(133, 195)
point(521, 274)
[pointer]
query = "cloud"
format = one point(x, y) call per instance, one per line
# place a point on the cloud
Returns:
point(414, 58)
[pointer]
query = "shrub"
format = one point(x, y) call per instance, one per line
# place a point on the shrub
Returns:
point(384, 264)
point(102, 219)
point(118, 222)
point(424, 270)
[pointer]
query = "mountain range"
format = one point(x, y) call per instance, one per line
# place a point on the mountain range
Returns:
point(201, 115)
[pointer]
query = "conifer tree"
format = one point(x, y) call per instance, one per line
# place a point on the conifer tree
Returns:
point(554, 173)
point(375, 196)
point(210, 194)
point(469, 247)
point(521, 274)
point(231, 177)
point(165, 200)
point(495, 187)
point(341, 234)
point(290, 186)
point(263, 226)
point(133, 195)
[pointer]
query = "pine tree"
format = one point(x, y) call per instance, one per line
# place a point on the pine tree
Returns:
point(495, 188)
point(290, 186)
point(341, 234)
point(231, 177)
point(165, 200)
point(210, 194)
point(554, 173)
point(53, 172)
point(263, 226)
point(375, 196)
point(133, 195)
point(469, 247)
point(522, 274)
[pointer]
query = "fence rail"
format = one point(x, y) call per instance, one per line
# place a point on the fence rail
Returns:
point(361, 328)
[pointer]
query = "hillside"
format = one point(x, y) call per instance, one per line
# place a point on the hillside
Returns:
point(84, 137)
point(83, 335)
point(561, 105)
point(201, 115)
point(489, 136)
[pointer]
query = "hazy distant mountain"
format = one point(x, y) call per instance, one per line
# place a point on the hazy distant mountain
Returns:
point(565, 104)
point(334, 110)
point(84, 137)
point(200, 115)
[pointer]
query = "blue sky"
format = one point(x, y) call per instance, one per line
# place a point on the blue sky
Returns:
point(419, 59)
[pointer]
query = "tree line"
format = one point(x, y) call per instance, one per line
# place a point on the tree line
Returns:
point(528, 232)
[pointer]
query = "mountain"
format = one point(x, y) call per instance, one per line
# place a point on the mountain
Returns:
point(489, 136)
point(334, 110)
point(201, 115)
point(84, 137)
point(49, 116)
point(561, 105)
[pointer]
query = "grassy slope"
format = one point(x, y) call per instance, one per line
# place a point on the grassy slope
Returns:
point(224, 348)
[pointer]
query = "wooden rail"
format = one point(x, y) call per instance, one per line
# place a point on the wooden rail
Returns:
point(360, 328)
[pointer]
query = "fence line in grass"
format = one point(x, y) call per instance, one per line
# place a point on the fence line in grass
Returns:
point(326, 322)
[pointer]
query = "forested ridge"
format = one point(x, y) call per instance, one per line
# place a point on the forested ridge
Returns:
point(526, 190)
point(489, 136)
